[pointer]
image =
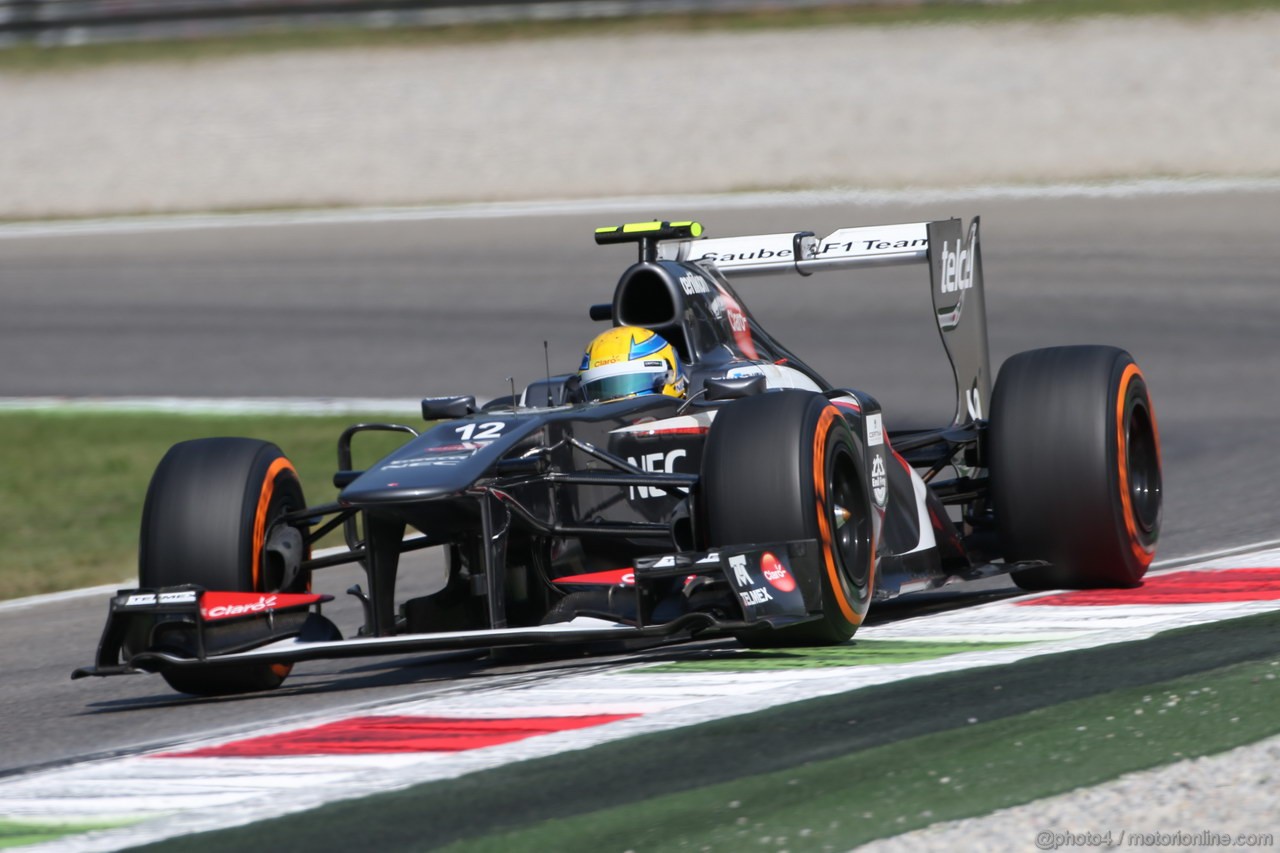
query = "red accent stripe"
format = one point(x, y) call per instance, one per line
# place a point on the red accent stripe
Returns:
point(690, 430)
point(370, 735)
point(612, 577)
point(1205, 587)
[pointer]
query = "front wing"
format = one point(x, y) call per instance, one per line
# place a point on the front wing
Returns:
point(773, 585)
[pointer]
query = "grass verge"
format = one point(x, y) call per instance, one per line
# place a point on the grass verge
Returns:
point(858, 653)
point(76, 484)
point(22, 833)
point(29, 58)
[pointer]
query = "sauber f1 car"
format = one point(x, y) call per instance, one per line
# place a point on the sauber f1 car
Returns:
point(759, 503)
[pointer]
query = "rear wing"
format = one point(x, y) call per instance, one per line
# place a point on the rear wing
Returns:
point(955, 271)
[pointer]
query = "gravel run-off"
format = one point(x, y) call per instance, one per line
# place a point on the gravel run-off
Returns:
point(1190, 805)
point(849, 107)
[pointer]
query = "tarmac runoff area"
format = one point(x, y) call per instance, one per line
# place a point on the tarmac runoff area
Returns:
point(876, 107)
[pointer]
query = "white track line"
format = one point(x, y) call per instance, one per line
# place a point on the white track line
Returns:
point(644, 204)
point(108, 589)
point(60, 597)
point(105, 589)
point(1219, 554)
point(405, 407)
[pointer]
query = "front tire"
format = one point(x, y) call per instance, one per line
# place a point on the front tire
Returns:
point(783, 466)
point(209, 509)
point(1075, 467)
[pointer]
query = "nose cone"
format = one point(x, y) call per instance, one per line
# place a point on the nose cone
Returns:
point(442, 462)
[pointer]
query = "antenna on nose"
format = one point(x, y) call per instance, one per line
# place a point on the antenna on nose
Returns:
point(546, 357)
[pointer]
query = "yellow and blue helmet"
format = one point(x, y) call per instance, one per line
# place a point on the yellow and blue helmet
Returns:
point(628, 361)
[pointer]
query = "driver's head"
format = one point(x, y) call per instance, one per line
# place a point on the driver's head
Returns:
point(627, 361)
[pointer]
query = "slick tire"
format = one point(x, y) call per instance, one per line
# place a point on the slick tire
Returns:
point(208, 511)
point(778, 467)
point(1074, 458)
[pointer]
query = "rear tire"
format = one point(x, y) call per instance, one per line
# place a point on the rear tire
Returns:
point(775, 467)
point(209, 509)
point(1075, 467)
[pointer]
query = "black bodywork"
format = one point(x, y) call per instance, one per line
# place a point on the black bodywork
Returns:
point(538, 498)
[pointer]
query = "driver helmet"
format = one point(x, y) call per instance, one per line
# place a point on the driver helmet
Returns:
point(628, 361)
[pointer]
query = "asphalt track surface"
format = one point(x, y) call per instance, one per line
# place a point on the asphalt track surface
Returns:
point(404, 309)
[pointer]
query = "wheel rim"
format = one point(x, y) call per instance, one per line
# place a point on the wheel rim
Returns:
point(285, 497)
point(1143, 465)
point(847, 517)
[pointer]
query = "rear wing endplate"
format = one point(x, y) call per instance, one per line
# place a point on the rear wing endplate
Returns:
point(955, 271)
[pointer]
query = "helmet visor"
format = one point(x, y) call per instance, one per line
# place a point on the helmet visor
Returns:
point(623, 385)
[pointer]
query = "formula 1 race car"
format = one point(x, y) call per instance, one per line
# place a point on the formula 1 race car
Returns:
point(756, 501)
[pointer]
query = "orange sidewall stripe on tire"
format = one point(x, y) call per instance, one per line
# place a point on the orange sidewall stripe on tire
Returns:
point(824, 527)
point(1142, 553)
point(260, 517)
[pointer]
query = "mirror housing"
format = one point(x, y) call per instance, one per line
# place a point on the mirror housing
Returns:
point(735, 388)
point(447, 408)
